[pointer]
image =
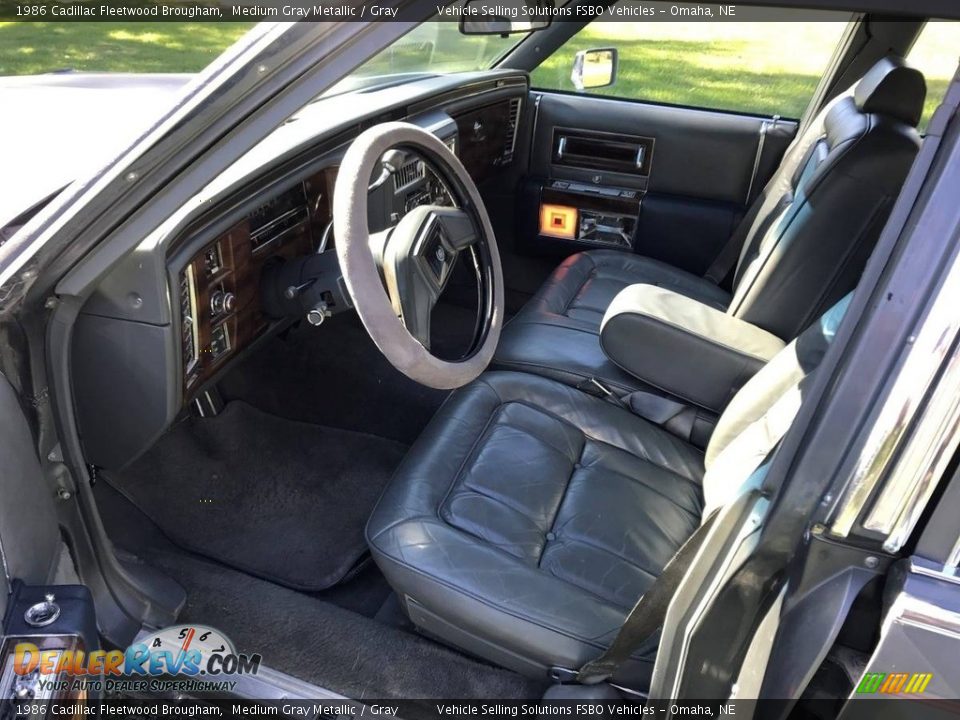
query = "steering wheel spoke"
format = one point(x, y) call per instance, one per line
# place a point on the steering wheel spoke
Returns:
point(417, 315)
point(458, 229)
point(418, 259)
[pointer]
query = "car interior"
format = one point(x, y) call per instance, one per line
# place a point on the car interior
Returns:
point(422, 395)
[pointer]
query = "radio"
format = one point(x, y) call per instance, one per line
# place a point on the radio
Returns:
point(592, 214)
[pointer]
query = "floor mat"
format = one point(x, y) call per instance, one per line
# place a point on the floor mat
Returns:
point(332, 647)
point(277, 498)
point(319, 637)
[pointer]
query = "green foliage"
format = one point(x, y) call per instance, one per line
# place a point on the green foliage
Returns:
point(768, 68)
point(737, 67)
point(764, 68)
point(27, 48)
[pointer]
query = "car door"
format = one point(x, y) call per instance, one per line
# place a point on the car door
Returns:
point(665, 159)
point(45, 608)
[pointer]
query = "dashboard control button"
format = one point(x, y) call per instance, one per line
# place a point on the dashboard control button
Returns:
point(222, 302)
point(219, 341)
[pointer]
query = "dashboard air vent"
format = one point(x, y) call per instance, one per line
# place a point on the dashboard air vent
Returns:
point(513, 125)
point(188, 322)
point(410, 173)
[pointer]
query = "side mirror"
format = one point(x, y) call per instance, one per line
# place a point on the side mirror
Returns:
point(594, 68)
point(514, 16)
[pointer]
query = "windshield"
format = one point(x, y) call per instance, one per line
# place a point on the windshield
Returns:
point(435, 47)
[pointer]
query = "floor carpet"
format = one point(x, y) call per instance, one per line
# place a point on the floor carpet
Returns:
point(281, 499)
point(321, 638)
point(329, 646)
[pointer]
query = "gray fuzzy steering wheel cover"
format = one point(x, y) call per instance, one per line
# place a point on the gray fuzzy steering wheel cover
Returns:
point(362, 277)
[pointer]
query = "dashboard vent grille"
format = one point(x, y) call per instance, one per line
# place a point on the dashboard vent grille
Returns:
point(409, 174)
point(188, 322)
point(513, 125)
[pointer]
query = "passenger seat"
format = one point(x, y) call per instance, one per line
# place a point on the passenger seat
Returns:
point(805, 242)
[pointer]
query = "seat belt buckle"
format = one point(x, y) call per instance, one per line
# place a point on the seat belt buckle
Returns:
point(595, 387)
point(563, 675)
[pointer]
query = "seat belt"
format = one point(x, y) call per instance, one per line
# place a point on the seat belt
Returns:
point(648, 615)
point(728, 257)
point(650, 611)
point(675, 417)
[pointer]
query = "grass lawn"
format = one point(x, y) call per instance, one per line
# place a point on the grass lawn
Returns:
point(766, 68)
point(28, 48)
point(761, 67)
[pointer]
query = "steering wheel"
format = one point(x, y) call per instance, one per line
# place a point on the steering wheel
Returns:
point(395, 277)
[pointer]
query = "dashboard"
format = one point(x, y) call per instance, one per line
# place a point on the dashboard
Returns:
point(218, 289)
point(221, 288)
point(248, 259)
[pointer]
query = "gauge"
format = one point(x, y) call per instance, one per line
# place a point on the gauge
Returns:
point(183, 638)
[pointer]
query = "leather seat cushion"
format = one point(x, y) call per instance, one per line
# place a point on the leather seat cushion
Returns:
point(536, 515)
point(556, 334)
point(581, 289)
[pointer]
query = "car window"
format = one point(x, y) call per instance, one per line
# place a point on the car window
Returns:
point(936, 53)
point(766, 68)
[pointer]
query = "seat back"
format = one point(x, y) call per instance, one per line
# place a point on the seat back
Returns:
point(762, 411)
point(809, 234)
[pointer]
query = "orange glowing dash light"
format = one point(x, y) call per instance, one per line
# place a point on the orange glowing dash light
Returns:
point(558, 221)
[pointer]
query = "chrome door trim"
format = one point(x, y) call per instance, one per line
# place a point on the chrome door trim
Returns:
point(922, 463)
point(918, 567)
point(953, 560)
point(915, 432)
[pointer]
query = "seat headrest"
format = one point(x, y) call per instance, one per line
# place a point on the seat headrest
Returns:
point(891, 87)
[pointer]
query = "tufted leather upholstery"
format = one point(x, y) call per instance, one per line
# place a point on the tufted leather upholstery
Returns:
point(525, 498)
point(529, 517)
point(805, 240)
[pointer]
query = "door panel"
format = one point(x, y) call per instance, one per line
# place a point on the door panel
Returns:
point(37, 607)
point(699, 171)
point(29, 531)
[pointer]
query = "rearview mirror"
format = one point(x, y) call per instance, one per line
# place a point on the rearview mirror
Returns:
point(481, 17)
point(594, 68)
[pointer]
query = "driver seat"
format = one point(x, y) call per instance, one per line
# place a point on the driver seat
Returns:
point(529, 517)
